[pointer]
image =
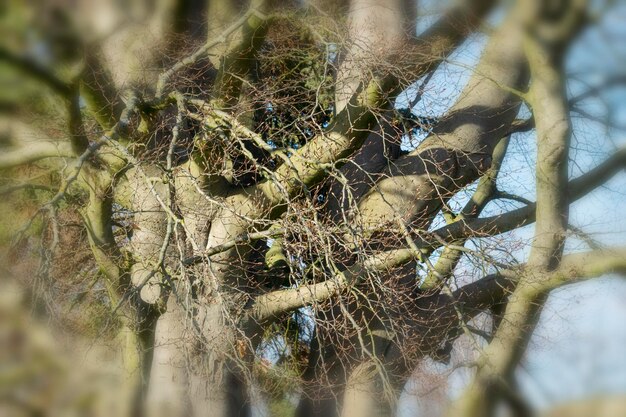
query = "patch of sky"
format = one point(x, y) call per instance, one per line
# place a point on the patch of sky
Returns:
point(577, 348)
point(431, 96)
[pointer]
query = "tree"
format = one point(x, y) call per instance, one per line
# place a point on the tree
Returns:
point(246, 186)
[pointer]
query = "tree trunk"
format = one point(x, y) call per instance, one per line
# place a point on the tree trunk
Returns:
point(137, 338)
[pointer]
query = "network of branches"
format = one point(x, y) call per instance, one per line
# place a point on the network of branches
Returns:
point(250, 196)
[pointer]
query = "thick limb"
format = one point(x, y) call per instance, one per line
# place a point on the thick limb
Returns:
point(550, 110)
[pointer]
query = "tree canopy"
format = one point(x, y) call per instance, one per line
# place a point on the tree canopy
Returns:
point(256, 201)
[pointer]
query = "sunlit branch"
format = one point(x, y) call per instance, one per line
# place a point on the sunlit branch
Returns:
point(494, 289)
point(204, 49)
point(351, 126)
point(290, 299)
point(35, 152)
point(547, 97)
point(485, 191)
point(245, 239)
point(237, 61)
point(271, 305)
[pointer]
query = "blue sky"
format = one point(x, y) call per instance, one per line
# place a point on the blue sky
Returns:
point(577, 349)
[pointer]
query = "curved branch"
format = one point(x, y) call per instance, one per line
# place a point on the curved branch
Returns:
point(441, 310)
point(241, 240)
point(547, 97)
point(485, 191)
point(283, 301)
point(37, 71)
point(98, 90)
point(502, 223)
point(239, 57)
point(493, 289)
point(356, 121)
point(202, 51)
point(270, 305)
point(34, 153)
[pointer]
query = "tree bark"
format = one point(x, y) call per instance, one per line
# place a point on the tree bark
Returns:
point(550, 111)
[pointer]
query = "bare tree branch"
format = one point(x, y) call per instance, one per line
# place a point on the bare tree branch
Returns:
point(38, 71)
point(35, 152)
